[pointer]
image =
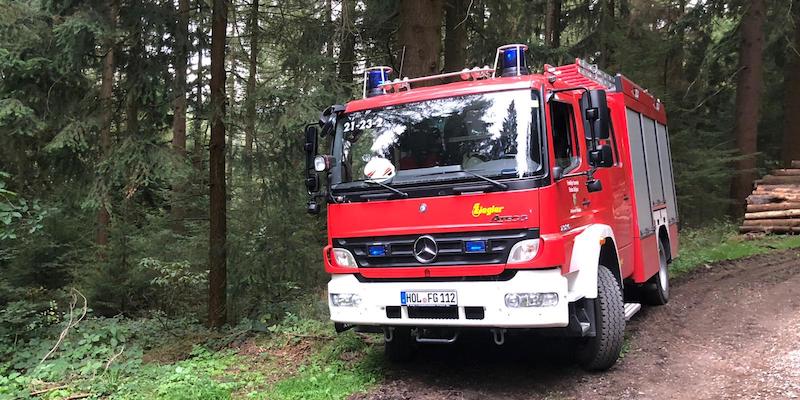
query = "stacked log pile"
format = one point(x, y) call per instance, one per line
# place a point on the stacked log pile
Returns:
point(774, 205)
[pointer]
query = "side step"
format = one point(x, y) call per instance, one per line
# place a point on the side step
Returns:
point(631, 309)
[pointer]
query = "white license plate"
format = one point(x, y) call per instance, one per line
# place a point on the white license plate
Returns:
point(429, 298)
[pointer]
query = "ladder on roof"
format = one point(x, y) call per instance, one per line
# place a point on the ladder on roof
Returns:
point(582, 73)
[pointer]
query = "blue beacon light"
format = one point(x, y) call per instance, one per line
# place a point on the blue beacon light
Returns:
point(376, 250)
point(513, 60)
point(373, 78)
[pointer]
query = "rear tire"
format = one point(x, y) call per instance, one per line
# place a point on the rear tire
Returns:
point(656, 290)
point(600, 352)
point(402, 347)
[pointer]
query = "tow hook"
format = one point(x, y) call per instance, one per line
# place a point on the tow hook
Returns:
point(388, 334)
point(499, 336)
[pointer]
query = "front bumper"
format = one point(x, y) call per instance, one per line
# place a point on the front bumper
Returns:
point(376, 296)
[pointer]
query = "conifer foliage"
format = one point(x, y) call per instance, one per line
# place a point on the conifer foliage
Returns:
point(152, 145)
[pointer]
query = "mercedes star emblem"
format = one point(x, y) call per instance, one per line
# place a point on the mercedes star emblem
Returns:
point(425, 249)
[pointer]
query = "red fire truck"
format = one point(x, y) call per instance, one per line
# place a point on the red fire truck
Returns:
point(505, 201)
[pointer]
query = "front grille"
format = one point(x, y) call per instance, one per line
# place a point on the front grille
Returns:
point(399, 249)
point(449, 312)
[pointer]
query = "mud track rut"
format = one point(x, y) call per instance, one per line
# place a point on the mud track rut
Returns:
point(731, 330)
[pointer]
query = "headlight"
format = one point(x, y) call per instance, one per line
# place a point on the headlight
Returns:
point(322, 163)
point(519, 300)
point(345, 299)
point(523, 251)
point(343, 258)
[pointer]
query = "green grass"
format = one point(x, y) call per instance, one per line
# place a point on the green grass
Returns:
point(298, 358)
point(721, 242)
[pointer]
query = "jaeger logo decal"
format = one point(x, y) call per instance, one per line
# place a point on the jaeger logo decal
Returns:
point(478, 210)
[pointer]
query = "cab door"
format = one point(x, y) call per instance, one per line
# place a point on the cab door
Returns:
point(573, 206)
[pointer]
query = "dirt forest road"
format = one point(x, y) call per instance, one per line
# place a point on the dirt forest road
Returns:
point(730, 331)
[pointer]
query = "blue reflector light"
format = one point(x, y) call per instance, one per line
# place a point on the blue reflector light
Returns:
point(475, 246)
point(376, 251)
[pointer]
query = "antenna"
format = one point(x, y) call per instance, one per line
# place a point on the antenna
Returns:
point(402, 58)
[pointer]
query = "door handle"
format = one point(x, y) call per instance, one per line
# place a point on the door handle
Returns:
point(625, 198)
point(586, 202)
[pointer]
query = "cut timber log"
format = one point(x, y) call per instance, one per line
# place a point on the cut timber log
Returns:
point(796, 164)
point(773, 198)
point(772, 222)
point(772, 214)
point(786, 172)
point(772, 207)
point(770, 229)
point(778, 180)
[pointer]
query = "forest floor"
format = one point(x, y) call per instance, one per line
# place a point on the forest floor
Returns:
point(730, 330)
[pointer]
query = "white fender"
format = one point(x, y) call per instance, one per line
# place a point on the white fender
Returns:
point(582, 278)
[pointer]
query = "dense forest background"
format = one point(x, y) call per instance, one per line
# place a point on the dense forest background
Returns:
point(141, 154)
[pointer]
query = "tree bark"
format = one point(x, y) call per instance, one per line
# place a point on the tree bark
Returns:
point(552, 24)
point(421, 34)
point(106, 114)
point(455, 39)
point(217, 279)
point(347, 53)
point(748, 102)
point(179, 109)
point(791, 99)
point(250, 102)
point(197, 125)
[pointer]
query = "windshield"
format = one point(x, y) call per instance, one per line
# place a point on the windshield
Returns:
point(491, 134)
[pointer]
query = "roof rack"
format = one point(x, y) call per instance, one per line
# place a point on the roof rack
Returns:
point(582, 73)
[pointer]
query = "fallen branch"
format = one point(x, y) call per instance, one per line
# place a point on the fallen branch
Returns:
point(72, 321)
point(50, 389)
point(114, 357)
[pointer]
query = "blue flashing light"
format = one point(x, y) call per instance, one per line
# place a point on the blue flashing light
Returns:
point(376, 250)
point(512, 61)
point(475, 246)
point(510, 57)
point(376, 77)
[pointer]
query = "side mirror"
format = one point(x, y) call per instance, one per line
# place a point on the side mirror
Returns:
point(310, 145)
point(595, 106)
point(327, 119)
point(557, 173)
point(312, 182)
point(601, 157)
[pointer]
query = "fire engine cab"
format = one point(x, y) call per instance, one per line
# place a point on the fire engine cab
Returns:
point(496, 199)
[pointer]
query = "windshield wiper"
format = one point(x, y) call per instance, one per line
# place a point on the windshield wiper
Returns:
point(499, 185)
point(385, 186)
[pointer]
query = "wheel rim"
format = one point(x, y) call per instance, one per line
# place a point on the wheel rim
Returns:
point(663, 274)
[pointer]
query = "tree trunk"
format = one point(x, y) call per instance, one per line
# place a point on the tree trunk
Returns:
point(106, 114)
point(748, 102)
point(791, 97)
point(421, 34)
point(552, 24)
point(347, 54)
point(250, 102)
point(217, 277)
point(455, 39)
point(179, 117)
point(197, 125)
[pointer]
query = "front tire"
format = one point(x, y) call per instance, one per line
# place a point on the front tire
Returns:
point(600, 352)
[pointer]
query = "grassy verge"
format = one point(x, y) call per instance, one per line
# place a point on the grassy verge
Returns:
point(298, 358)
point(721, 242)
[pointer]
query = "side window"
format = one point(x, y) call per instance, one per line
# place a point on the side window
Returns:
point(564, 135)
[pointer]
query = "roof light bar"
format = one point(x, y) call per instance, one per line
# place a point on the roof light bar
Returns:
point(373, 79)
point(475, 73)
point(510, 59)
